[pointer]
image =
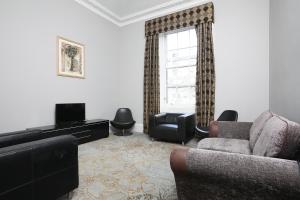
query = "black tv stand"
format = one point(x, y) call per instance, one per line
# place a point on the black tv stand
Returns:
point(84, 131)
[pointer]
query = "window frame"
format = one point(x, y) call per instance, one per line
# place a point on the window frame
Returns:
point(165, 105)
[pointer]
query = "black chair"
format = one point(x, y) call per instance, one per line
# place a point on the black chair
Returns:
point(227, 115)
point(172, 127)
point(123, 120)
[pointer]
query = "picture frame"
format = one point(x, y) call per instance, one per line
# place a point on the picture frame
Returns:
point(70, 58)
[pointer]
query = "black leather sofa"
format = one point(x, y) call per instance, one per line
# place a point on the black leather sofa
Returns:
point(34, 169)
point(172, 127)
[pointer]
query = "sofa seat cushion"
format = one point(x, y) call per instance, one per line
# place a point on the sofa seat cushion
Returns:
point(280, 138)
point(225, 145)
point(167, 132)
point(257, 127)
point(173, 127)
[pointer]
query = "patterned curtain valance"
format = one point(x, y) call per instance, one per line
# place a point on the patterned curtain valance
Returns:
point(189, 17)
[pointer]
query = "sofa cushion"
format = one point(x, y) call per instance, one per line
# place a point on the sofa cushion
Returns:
point(258, 126)
point(280, 138)
point(14, 138)
point(171, 118)
point(225, 145)
point(292, 143)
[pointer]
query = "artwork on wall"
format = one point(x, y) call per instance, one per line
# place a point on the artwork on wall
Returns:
point(70, 58)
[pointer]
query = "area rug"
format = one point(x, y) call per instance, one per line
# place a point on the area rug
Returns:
point(131, 167)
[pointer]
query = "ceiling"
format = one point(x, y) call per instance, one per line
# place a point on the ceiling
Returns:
point(124, 12)
point(127, 7)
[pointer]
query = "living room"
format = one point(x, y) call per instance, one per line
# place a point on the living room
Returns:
point(254, 69)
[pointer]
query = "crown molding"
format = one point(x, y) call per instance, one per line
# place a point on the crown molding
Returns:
point(151, 9)
point(146, 14)
point(97, 11)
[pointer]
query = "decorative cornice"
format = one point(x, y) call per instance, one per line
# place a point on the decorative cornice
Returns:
point(143, 15)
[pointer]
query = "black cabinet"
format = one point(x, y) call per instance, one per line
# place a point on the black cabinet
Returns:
point(85, 131)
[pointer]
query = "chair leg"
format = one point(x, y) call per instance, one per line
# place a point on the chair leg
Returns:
point(123, 131)
point(182, 143)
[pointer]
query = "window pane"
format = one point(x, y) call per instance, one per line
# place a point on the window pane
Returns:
point(181, 96)
point(172, 41)
point(171, 96)
point(178, 75)
point(193, 38)
point(180, 63)
point(183, 39)
point(182, 57)
point(193, 52)
point(181, 76)
point(176, 55)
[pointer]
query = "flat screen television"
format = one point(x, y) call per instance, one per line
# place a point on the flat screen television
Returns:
point(69, 112)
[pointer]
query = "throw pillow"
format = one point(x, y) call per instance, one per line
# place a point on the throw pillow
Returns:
point(257, 127)
point(273, 138)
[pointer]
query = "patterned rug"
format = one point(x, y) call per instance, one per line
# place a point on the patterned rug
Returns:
point(131, 167)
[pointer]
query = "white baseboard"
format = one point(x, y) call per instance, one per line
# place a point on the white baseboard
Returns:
point(138, 128)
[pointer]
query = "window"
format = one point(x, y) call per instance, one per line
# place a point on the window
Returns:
point(178, 53)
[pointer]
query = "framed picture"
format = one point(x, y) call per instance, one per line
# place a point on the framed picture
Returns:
point(70, 58)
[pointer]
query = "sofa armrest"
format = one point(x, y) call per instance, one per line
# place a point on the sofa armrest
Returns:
point(22, 164)
point(205, 174)
point(186, 126)
point(234, 130)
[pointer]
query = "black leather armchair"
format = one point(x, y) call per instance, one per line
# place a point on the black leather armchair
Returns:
point(172, 127)
point(42, 169)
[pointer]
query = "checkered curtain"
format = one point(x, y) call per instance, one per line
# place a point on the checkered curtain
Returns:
point(200, 17)
point(205, 75)
point(151, 79)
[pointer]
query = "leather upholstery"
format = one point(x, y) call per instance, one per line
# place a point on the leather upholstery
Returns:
point(19, 137)
point(43, 169)
point(229, 115)
point(123, 119)
point(172, 127)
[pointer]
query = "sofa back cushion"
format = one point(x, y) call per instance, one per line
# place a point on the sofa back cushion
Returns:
point(10, 139)
point(279, 138)
point(292, 143)
point(257, 127)
point(171, 118)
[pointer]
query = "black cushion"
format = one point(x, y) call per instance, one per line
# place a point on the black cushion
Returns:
point(171, 118)
point(167, 132)
point(14, 138)
point(122, 125)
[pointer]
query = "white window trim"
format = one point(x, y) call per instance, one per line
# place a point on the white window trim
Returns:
point(164, 107)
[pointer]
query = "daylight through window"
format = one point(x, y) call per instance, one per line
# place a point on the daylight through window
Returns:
point(178, 71)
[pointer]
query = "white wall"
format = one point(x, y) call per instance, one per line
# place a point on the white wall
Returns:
point(241, 41)
point(115, 60)
point(29, 85)
point(241, 36)
point(132, 47)
point(284, 58)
